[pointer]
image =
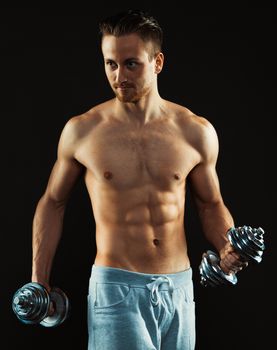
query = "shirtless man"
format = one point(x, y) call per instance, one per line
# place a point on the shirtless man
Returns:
point(136, 151)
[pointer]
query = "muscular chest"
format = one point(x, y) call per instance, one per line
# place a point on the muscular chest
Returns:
point(127, 158)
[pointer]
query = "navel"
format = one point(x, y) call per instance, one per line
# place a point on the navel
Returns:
point(108, 175)
point(156, 241)
point(177, 176)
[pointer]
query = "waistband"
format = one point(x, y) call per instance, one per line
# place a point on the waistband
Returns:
point(105, 274)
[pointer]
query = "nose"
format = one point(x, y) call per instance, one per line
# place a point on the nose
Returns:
point(120, 76)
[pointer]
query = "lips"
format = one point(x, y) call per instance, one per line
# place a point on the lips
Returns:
point(123, 87)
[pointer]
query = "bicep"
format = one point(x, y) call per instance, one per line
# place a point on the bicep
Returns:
point(64, 175)
point(204, 184)
point(203, 177)
point(66, 169)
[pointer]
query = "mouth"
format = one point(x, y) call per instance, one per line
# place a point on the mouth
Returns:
point(122, 86)
point(123, 89)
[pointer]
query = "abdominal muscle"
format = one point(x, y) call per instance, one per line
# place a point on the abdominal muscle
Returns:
point(138, 236)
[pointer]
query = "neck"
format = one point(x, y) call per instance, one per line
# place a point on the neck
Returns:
point(142, 111)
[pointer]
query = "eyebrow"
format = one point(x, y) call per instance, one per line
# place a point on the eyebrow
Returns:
point(126, 60)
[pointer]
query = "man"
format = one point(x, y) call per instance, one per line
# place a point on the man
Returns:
point(137, 152)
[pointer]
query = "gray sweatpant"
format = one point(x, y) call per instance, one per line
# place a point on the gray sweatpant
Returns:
point(138, 311)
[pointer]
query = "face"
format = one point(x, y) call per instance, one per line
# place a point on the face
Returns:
point(127, 66)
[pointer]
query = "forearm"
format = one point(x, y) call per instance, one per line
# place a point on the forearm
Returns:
point(47, 229)
point(216, 220)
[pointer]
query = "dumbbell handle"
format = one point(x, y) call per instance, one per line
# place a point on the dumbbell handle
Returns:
point(21, 301)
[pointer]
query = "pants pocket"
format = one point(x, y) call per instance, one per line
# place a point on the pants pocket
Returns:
point(189, 293)
point(110, 294)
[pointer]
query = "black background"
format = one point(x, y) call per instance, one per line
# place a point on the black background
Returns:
point(219, 63)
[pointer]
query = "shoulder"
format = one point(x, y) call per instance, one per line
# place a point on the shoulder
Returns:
point(200, 129)
point(190, 122)
point(197, 130)
point(203, 137)
point(79, 126)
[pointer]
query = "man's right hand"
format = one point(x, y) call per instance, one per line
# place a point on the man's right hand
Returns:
point(230, 260)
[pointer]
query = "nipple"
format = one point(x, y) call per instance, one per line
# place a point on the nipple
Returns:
point(108, 175)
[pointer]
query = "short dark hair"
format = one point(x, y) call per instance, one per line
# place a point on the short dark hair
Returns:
point(134, 21)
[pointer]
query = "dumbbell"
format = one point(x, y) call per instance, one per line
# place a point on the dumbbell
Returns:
point(32, 305)
point(248, 242)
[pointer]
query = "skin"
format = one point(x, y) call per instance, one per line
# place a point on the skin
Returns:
point(136, 152)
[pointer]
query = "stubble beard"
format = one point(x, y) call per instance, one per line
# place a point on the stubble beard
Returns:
point(132, 97)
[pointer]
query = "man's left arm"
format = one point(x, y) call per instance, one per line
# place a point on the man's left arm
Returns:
point(215, 217)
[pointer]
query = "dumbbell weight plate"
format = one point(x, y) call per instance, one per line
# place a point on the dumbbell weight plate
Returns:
point(208, 271)
point(61, 308)
point(211, 273)
point(248, 242)
point(30, 303)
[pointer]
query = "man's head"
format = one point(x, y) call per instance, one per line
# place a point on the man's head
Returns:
point(138, 22)
point(131, 45)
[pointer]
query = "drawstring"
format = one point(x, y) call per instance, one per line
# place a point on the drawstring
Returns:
point(154, 288)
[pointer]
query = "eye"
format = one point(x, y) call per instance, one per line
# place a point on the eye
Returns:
point(111, 64)
point(131, 64)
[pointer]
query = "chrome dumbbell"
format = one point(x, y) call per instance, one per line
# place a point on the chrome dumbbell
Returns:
point(248, 242)
point(33, 304)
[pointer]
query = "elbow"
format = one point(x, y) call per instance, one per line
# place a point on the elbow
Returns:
point(208, 206)
point(53, 201)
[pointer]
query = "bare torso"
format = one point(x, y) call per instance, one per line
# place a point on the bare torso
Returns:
point(136, 177)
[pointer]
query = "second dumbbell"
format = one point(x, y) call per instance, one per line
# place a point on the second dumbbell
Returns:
point(33, 304)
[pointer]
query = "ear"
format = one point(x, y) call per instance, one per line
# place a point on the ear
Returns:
point(159, 62)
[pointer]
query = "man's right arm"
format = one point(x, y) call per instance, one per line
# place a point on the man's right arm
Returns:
point(48, 218)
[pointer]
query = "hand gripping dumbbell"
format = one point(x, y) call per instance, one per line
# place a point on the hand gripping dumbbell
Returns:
point(33, 304)
point(248, 242)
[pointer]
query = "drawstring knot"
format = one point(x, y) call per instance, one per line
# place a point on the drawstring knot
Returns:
point(154, 288)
